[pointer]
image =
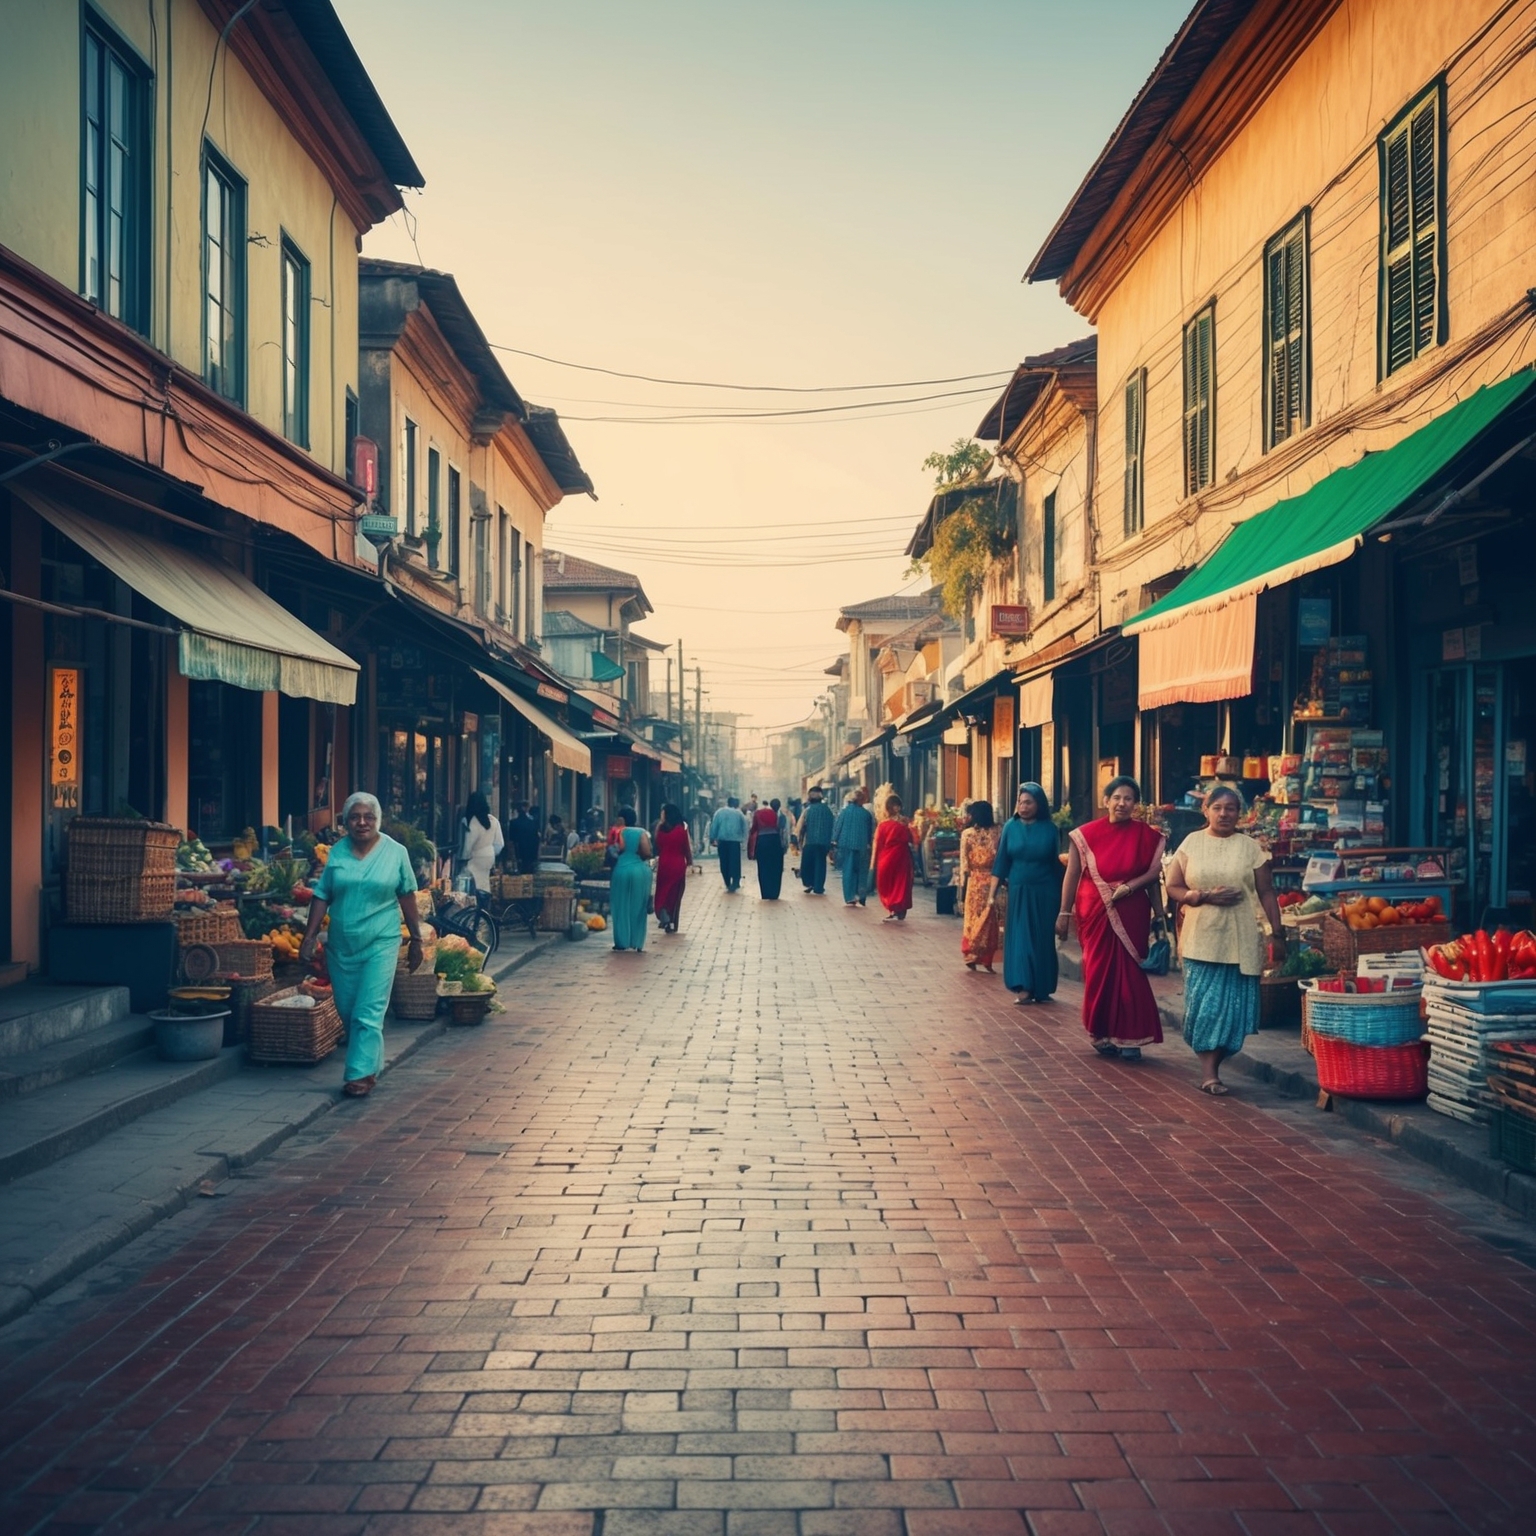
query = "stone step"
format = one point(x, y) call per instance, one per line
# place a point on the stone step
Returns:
point(74, 1057)
point(40, 1128)
point(34, 1014)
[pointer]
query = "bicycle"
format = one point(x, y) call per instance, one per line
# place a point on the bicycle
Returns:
point(474, 924)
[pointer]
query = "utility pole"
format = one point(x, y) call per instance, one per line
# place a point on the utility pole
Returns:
point(698, 720)
point(669, 687)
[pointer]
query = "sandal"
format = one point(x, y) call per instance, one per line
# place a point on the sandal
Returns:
point(1214, 1086)
point(1104, 1048)
point(1130, 1053)
point(358, 1087)
point(970, 965)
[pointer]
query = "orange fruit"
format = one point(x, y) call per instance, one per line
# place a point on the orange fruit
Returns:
point(1377, 904)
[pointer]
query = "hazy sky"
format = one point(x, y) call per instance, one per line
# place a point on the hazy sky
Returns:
point(803, 194)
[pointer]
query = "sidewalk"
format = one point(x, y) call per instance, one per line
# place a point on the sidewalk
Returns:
point(1276, 1057)
point(58, 1222)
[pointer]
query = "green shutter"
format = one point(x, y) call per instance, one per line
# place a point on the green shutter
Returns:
point(1412, 194)
point(1135, 436)
point(1199, 388)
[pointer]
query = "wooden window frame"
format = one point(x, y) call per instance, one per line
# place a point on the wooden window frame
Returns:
point(454, 532)
point(131, 302)
point(1424, 219)
point(225, 378)
point(1288, 357)
point(294, 267)
point(434, 530)
point(1199, 417)
point(410, 471)
point(1135, 452)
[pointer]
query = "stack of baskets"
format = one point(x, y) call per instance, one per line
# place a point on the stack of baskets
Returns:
point(1368, 1045)
point(558, 893)
point(1466, 1022)
point(209, 925)
point(1512, 1079)
point(121, 870)
point(511, 887)
point(301, 1036)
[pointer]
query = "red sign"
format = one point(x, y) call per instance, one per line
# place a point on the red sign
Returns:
point(620, 767)
point(549, 691)
point(602, 717)
point(1010, 620)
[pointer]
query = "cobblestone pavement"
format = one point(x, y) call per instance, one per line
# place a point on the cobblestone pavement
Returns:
point(788, 1227)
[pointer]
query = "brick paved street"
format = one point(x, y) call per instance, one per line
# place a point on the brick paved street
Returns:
point(789, 1227)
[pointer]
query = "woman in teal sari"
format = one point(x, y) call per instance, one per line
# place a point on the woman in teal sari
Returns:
point(1029, 859)
point(629, 889)
point(368, 887)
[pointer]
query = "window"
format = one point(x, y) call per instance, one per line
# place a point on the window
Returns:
point(295, 345)
point(1287, 343)
point(1412, 285)
point(115, 181)
point(454, 531)
point(434, 505)
point(351, 420)
point(530, 618)
point(515, 581)
point(1135, 443)
point(1199, 395)
point(481, 524)
point(1048, 548)
point(223, 278)
point(408, 476)
point(503, 554)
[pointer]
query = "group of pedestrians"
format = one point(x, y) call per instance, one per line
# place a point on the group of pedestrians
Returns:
point(1018, 896)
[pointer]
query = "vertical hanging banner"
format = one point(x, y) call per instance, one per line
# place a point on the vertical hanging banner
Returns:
point(64, 737)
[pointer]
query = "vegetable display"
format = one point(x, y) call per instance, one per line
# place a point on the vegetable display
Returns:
point(1484, 957)
point(1366, 912)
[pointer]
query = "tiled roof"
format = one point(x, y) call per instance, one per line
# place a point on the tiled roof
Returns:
point(563, 570)
point(899, 605)
point(557, 622)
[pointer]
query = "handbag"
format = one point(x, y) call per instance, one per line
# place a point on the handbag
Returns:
point(1159, 951)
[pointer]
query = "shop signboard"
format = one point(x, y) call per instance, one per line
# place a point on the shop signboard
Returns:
point(549, 691)
point(1009, 620)
point(64, 738)
point(621, 767)
point(1314, 621)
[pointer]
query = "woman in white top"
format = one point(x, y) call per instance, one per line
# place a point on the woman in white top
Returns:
point(1221, 879)
point(480, 842)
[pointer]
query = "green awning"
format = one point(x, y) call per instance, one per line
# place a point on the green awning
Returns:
point(1325, 525)
point(605, 670)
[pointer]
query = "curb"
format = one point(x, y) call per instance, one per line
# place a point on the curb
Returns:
point(84, 1249)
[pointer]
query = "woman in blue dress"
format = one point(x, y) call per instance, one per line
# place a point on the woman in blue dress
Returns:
point(368, 887)
point(629, 890)
point(1029, 859)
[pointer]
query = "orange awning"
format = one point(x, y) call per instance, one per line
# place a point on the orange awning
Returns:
point(1207, 655)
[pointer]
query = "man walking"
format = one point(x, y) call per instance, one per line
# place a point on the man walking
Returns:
point(814, 831)
point(852, 834)
point(523, 834)
point(728, 831)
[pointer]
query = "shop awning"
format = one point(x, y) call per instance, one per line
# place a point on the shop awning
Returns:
point(870, 744)
point(1326, 524)
point(915, 719)
point(235, 633)
point(1207, 656)
point(566, 750)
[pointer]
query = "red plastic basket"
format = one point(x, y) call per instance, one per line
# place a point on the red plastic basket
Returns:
point(1371, 1071)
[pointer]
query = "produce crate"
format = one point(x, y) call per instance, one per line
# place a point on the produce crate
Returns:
point(1343, 945)
point(249, 959)
point(1505, 997)
point(555, 915)
point(212, 925)
point(1371, 1071)
point(511, 887)
point(298, 1036)
point(120, 870)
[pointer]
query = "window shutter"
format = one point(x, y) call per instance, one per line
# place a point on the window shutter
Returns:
point(1295, 323)
point(1135, 413)
point(1411, 178)
point(1199, 341)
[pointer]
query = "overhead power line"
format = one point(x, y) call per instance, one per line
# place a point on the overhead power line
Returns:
point(763, 389)
point(798, 411)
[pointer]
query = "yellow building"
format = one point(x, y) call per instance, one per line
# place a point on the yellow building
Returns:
point(183, 190)
point(1306, 247)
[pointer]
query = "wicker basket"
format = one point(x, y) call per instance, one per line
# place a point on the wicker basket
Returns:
point(213, 925)
point(1372, 1018)
point(1343, 945)
point(120, 871)
point(511, 887)
point(248, 959)
point(558, 907)
point(469, 1007)
point(288, 973)
point(415, 994)
point(1371, 1071)
point(301, 1036)
point(242, 996)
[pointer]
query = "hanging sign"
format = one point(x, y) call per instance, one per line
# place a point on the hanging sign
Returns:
point(620, 767)
point(64, 738)
point(1009, 620)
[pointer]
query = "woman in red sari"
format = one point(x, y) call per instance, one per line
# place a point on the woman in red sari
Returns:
point(893, 862)
point(674, 853)
point(1111, 864)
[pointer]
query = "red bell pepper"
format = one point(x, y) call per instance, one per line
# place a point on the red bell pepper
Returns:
point(1501, 942)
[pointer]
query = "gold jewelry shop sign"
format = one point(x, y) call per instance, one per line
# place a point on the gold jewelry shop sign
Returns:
point(64, 737)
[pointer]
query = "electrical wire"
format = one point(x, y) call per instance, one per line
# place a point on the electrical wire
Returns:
point(763, 389)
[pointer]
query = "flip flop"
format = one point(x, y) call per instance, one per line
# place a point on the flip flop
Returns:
point(1215, 1087)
